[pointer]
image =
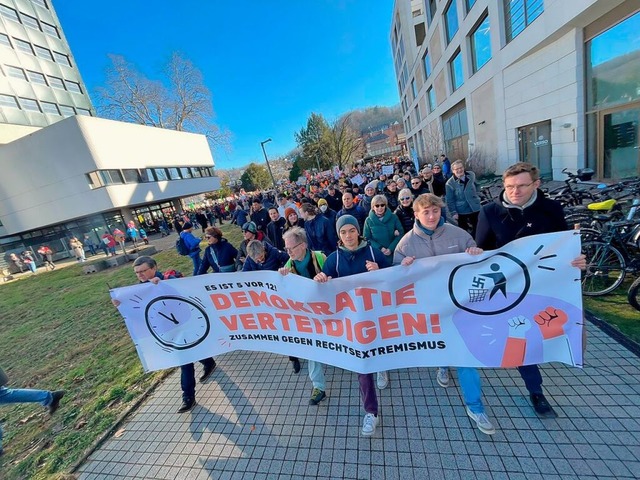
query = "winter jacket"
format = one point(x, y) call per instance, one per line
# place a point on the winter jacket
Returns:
point(462, 198)
point(274, 259)
point(313, 268)
point(261, 219)
point(321, 235)
point(220, 254)
point(446, 239)
point(332, 216)
point(275, 231)
point(239, 217)
point(406, 217)
point(356, 211)
point(392, 199)
point(343, 262)
point(366, 203)
point(192, 242)
point(499, 224)
point(380, 230)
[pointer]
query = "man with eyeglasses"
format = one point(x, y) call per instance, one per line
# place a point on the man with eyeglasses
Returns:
point(437, 181)
point(418, 187)
point(521, 210)
point(146, 269)
point(307, 263)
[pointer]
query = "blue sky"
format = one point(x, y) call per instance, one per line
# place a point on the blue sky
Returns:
point(268, 64)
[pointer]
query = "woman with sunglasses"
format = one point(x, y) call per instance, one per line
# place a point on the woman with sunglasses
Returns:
point(405, 211)
point(382, 227)
point(219, 255)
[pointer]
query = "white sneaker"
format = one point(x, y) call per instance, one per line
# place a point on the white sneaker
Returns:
point(482, 421)
point(382, 379)
point(443, 377)
point(369, 425)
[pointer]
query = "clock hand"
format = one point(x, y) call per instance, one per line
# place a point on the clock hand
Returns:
point(171, 318)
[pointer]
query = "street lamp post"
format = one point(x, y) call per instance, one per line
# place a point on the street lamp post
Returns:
point(267, 160)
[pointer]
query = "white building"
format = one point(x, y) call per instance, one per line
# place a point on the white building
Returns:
point(65, 172)
point(552, 82)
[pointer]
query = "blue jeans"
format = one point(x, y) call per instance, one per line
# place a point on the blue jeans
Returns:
point(471, 388)
point(188, 378)
point(15, 395)
point(196, 262)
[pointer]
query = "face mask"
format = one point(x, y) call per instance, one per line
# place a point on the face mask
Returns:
point(323, 208)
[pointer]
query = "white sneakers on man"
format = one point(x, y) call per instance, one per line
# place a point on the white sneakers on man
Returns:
point(382, 379)
point(482, 422)
point(442, 376)
point(369, 425)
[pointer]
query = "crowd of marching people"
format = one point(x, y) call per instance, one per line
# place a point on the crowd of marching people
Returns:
point(335, 227)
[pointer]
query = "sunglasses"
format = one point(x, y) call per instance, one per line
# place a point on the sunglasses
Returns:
point(415, 183)
point(405, 198)
point(379, 206)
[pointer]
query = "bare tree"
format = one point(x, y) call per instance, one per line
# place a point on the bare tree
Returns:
point(433, 140)
point(182, 102)
point(346, 144)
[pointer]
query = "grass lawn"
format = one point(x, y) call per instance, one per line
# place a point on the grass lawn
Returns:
point(60, 331)
point(615, 310)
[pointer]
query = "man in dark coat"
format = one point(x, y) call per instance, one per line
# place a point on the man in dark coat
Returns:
point(275, 228)
point(260, 216)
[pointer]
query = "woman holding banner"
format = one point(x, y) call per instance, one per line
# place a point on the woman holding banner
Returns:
point(355, 255)
point(432, 236)
point(219, 255)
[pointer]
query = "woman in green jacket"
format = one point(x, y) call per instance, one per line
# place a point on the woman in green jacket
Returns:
point(383, 227)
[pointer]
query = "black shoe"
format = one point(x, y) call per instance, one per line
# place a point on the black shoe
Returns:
point(541, 406)
point(295, 363)
point(208, 370)
point(55, 401)
point(187, 405)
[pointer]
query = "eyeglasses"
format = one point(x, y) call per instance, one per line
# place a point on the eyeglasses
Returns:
point(511, 188)
point(379, 206)
point(415, 183)
point(290, 249)
point(436, 168)
point(138, 272)
point(405, 198)
point(211, 236)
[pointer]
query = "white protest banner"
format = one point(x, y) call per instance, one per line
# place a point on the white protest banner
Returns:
point(387, 169)
point(518, 305)
point(357, 180)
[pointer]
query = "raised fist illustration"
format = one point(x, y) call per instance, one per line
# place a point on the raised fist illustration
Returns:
point(518, 326)
point(551, 322)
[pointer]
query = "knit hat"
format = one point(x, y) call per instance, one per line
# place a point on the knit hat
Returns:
point(187, 226)
point(372, 184)
point(250, 227)
point(347, 219)
point(321, 202)
point(288, 211)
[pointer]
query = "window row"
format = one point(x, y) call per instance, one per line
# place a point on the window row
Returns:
point(36, 50)
point(41, 3)
point(101, 178)
point(36, 77)
point(32, 105)
point(29, 21)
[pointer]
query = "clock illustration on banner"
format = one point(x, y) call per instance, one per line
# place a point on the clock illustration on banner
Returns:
point(177, 322)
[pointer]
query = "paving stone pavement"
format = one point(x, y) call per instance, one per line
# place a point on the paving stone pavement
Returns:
point(253, 421)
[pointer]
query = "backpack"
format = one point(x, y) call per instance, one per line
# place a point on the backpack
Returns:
point(181, 246)
point(172, 274)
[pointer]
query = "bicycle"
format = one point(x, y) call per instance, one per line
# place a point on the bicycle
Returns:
point(634, 294)
point(612, 257)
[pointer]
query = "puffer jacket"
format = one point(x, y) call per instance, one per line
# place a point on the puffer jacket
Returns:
point(446, 239)
point(380, 230)
point(343, 262)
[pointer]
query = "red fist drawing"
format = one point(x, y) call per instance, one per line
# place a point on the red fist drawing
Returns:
point(551, 322)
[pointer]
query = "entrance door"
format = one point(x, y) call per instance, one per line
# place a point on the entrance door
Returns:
point(534, 145)
point(621, 152)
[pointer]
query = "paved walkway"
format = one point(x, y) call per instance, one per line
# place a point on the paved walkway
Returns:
point(253, 421)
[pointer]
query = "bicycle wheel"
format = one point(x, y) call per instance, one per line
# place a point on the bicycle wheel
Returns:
point(605, 268)
point(589, 234)
point(634, 294)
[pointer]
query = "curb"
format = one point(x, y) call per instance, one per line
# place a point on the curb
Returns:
point(121, 418)
point(617, 335)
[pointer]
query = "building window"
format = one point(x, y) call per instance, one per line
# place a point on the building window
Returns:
point(161, 174)
point(48, 107)
point(15, 72)
point(30, 21)
point(23, 46)
point(8, 101)
point(470, 4)
point(93, 179)
point(431, 96)
point(35, 77)
point(519, 14)
point(195, 172)
point(426, 61)
point(43, 53)
point(414, 91)
point(451, 20)
point(50, 29)
point(67, 111)
point(481, 44)
point(29, 104)
point(456, 131)
point(174, 174)
point(62, 59)
point(40, 3)
point(9, 13)
point(131, 175)
point(455, 69)
point(185, 172)
point(147, 175)
point(84, 112)
point(56, 82)
point(4, 40)
point(431, 11)
point(417, 112)
point(111, 177)
point(73, 86)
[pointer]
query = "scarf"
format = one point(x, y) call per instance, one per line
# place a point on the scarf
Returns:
point(426, 230)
